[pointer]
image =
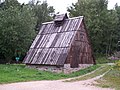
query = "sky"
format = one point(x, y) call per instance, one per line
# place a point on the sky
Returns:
point(61, 5)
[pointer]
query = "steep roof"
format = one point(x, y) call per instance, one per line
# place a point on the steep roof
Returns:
point(52, 44)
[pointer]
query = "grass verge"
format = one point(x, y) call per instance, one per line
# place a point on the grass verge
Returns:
point(103, 60)
point(20, 73)
point(111, 79)
point(93, 74)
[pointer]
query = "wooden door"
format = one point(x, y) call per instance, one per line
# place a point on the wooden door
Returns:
point(74, 63)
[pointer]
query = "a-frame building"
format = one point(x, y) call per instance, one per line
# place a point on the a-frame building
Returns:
point(61, 41)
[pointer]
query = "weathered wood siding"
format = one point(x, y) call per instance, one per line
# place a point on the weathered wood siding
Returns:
point(52, 44)
point(57, 45)
point(80, 52)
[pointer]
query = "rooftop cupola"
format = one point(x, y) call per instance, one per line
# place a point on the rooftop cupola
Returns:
point(59, 19)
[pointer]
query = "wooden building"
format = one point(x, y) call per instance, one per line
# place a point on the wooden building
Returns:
point(61, 41)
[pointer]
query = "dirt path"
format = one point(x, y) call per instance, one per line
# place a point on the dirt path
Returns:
point(52, 85)
point(56, 85)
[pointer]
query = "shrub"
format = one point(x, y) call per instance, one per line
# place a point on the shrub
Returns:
point(118, 63)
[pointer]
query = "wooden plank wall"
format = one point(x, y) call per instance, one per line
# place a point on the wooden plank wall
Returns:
point(80, 51)
point(52, 43)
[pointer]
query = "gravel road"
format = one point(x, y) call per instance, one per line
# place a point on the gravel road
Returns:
point(52, 85)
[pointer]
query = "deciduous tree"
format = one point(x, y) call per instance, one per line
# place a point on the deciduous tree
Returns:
point(16, 28)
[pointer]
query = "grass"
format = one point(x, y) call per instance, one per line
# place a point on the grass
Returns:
point(111, 79)
point(103, 60)
point(98, 72)
point(20, 73)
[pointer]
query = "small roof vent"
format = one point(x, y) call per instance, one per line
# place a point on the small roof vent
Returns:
point(59, 19)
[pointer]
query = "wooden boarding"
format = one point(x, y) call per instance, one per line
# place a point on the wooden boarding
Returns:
point(65, 43)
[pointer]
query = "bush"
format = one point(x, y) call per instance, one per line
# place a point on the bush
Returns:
point(118, 63)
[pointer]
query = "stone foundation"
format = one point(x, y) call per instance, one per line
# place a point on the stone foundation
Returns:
point(66, 69)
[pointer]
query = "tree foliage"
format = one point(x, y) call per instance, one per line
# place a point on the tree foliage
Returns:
point(42, 11)
point(117, 8)
point(16, 28)
point(17, 25)
point(101, 23)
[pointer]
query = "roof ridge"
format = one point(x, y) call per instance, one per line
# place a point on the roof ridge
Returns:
point(50, 22)
point(76, 17)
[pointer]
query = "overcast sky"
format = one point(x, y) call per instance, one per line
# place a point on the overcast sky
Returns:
point(61, 5)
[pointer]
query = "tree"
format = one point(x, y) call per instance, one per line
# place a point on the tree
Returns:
point(16, 28)
point(117, 8)
point(42, 11)
point(100, 21)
